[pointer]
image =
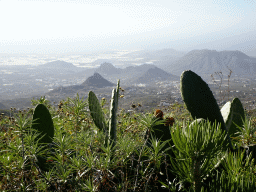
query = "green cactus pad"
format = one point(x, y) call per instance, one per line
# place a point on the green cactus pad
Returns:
point(199, 99)
point(96, 112)
point(43, 123)
point(233, 114)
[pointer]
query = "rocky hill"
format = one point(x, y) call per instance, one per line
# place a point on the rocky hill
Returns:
point(96, 81)
point(155, 74)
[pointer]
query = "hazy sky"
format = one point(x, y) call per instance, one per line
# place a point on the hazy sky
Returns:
point(46, 26)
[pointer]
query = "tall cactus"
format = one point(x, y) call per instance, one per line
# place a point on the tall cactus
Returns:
point(233, 115)
point(112, 115)
point(98, 116)
point(199, 100)
point(44, 125)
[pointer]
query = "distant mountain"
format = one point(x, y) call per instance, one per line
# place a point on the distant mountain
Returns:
point(138, 69)
point(111, 73)
point(58, 64)
point(155, 74)
point(58, 68)
point(134, 74)
point(108, 69)
point(96, 81)
point(209, 61)
point(107, 74)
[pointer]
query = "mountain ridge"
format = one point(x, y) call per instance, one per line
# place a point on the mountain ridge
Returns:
point(209, 61)
point(58, 64)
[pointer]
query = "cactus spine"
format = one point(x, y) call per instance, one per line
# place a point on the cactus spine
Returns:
point(199, 100)
point(98, 115)
point(233, 115)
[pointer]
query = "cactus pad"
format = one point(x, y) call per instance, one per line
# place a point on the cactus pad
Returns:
point(199, 100)
point(233, 114)
point(43, 123)
point(96, 112)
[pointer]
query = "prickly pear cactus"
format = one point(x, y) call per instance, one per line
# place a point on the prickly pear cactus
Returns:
point(112, 115)
point(98, 116)
point(233, 115)
point(43, 123)
point(96, 112)
point(199, 99)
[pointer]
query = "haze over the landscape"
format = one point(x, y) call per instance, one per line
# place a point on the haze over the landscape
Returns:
point(102, 95)
point(61, 26)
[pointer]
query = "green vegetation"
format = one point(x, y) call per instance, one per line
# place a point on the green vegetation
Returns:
point(176, 155)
